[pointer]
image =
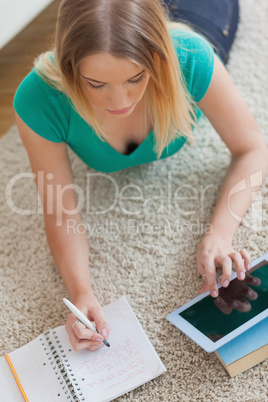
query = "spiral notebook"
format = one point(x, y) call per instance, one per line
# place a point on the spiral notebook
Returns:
point(50, 370)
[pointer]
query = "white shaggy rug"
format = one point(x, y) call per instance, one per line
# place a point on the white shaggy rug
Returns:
point(142, 248)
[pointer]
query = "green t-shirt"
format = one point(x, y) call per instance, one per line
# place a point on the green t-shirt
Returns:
point(50, 114)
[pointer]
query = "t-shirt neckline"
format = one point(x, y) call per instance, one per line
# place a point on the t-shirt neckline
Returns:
point(117, 153)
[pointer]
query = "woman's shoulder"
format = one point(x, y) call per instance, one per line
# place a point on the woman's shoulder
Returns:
point(42, 107)
point(196, 58)
point(189, 44)
point(32, 85)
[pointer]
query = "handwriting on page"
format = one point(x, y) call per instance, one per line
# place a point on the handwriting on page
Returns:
point(115, 366)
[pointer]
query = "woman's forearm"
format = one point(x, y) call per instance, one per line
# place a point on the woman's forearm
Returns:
point(71, 254)
point(243, 178)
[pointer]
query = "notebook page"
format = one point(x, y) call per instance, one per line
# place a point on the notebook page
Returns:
point(8, 386)
point(110, 372)
point(35, 373)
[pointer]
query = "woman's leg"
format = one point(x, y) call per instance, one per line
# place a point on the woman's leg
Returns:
point(217, 20)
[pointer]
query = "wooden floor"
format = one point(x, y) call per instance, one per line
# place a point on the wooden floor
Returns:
point(16, 59)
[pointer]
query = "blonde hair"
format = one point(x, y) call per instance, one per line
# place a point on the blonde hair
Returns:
point(133, 29)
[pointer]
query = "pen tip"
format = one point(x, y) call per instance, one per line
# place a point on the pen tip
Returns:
point(106, 343)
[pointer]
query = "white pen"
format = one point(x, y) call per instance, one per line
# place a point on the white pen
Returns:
point(82, 318)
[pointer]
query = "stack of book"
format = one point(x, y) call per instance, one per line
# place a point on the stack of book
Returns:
point(245, 351)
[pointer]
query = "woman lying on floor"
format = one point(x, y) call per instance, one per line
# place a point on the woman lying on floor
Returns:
point(123, 87)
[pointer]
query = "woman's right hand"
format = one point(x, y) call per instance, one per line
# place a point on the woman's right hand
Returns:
point(80, 336)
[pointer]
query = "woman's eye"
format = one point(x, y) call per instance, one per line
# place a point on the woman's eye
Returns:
point(101, 86)
point(138, 80)
point(94, 86)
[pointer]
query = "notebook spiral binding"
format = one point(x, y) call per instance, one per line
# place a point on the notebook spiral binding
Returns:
point(61, 367)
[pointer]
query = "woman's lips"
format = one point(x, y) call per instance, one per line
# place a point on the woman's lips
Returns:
point(120, 111)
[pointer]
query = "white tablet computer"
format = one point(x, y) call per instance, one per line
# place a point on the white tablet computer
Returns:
point(211, 323)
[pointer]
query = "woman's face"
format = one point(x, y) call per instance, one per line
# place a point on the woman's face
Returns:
point(114, 86)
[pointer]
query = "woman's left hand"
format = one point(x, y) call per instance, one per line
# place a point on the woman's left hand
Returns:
point(215, 251)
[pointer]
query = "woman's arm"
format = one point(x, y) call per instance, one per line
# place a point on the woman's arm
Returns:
point(69, 248)
point(231, 118)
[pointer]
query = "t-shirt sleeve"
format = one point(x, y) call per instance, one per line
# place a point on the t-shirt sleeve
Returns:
point(196, 58)
point(44, 109)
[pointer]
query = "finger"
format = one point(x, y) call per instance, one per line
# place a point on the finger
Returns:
point(241, 305)
point(202, 272)
point(100, 321)
point(204, 288)
point(246, 257)
point(201, 269)
point(93, 347)
point(79, 344)
point(226, 263)
point(239, 263)
point(211, 276)
point(225, 308)
point(82, 332)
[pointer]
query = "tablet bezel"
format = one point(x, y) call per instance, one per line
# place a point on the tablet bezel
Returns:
point(202, 340)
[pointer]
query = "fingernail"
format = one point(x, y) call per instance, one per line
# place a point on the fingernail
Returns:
point(99, 340)
point(214, 293)
point(241, 275)
point(225, 283)
point(104, 332)
point(248, 266)
point(235, 304)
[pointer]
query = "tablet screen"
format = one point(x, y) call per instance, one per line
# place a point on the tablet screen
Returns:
point(215, 323)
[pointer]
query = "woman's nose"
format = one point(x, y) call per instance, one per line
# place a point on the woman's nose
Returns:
point(119, 99)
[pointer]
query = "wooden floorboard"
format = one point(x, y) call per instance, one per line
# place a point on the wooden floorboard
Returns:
point(16, 59)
